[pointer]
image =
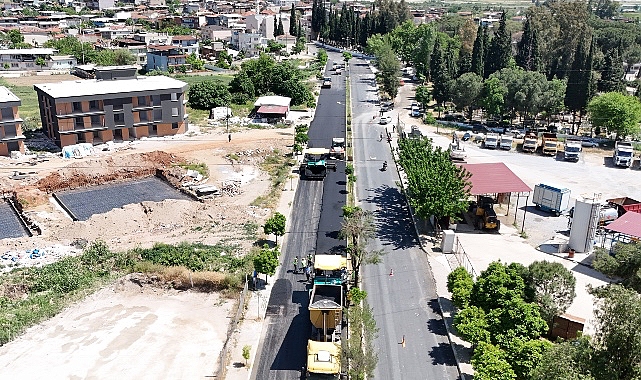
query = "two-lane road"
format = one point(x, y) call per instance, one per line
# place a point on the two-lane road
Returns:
point(405, 304)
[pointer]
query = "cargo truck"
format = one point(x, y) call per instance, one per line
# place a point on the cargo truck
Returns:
point(530, 142)
point(623, 154)
point(506, 142)
point(324, 347)
point(551, 199)
point(338, 148)
point(549, 143)
point(491, 141)
point(572, 150)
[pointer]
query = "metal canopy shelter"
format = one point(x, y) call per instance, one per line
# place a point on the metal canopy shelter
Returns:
point(497, 178)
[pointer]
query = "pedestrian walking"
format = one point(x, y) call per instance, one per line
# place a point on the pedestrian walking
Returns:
point(380, 137)
point(296, 264)
point(303, 262)
point(307, 272)
point(229, 137)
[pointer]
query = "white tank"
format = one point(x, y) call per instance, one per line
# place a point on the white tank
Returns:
point(584, 224)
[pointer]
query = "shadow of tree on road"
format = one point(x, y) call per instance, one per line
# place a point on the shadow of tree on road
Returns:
point(442, 354)
point(392, 218)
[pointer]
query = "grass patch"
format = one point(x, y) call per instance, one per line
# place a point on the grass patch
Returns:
point(29, 109)
point(193, 79)
point(278, 166)
point(30, 295)
point(199, 167)
point(251, 230)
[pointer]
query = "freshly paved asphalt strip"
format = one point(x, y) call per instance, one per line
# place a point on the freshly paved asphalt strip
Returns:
point(412, 341)
point(313, 227)
point(10, 226)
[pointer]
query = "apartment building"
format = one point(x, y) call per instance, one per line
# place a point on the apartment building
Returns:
point(116, 105)
point(11, 138)
point(26, 59)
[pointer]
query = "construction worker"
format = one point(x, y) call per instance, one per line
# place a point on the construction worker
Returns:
point(307, 272)
point(296, 264)
point(303, 262)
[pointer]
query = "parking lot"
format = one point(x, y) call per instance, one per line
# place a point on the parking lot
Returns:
point(83, 203)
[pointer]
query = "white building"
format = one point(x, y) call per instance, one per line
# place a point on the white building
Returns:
point(250, 43)
point(26, 59)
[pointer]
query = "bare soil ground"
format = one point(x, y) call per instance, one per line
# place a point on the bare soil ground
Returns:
point(124, 331)
point(37, 79)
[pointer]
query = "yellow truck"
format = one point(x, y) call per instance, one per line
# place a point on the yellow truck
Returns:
point(326, 315)
point(550, 144)
point(330, 269)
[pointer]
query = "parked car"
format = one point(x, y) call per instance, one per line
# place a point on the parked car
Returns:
point(480, 128)
point(589, 143)
point(466, 136)
point(385, 120)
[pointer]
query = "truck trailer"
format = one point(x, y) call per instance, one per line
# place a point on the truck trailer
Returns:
point(323, 347)
point(552, 199)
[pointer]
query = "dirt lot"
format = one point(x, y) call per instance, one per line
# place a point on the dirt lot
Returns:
point(123, 331)
point(126, 332)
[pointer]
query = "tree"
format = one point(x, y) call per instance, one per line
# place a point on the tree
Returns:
point(478, 52)
point(460, 283)
point(358, 348)
point(422, 95)
point(15, 37)
point(553, 286)
point(292, 21)
point(617, 342)
point(569, 360)
point(280, 30)
point(358, 228)
point(612, 73)
point(436, 187)
point(624, 262)
point(299, 46)
point(242, 84)
point(490, 363)
point(41, 62)
point(246, 352)
point(524, 355)
point(275, 225)
point(577, 91)
point(465, 90)
point(492, 96)
point(389, 69)
point(347, 56)
point(321, 56)
point(266, 261)
point(528, 55)
point(208, 94)
point(616, 112)
point(439, 74)
point(497, 285)
point(606, 9)
point(198, 64)
point(500, 50)
point(274, 47)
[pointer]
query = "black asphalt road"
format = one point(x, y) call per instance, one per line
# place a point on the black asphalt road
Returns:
point(10, 226)
point(313, 227)
point(405, 304)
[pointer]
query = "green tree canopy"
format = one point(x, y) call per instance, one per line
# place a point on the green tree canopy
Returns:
point(209, 94)
point(266, 261)
point(275, 225)
point(625, 262)
point(490, 363)
point(553, 286)
point(460, 283)
point(617, 113)
point(436, 186)
point(465, 91)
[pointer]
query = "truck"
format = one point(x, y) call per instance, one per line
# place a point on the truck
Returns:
point(572, 150)
point(551, 199)
point(491, 141)
point(549, 143)
point(330, 269)
point(315, 163)
point(623, 154)
point(506, 142)
point(338, 148)
point(530, 142)
point(324, 347)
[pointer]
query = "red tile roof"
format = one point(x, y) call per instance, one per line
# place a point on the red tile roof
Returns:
point(280, 110)
point(494, 178)
point(628, 224)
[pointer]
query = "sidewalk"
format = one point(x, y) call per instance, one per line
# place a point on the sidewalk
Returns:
point(250, 326)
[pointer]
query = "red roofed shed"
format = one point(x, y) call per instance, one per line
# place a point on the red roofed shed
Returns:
point(494, 178)
point(628, 224)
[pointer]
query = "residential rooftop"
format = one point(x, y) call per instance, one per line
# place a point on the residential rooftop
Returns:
point(89, 87)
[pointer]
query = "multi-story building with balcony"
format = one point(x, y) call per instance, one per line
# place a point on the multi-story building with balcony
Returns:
point(11, 138)
point(187, 45)
point(162, 57)
point(116, 105)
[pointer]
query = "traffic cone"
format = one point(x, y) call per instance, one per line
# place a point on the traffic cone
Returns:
point(391, 272)
point(403, 341)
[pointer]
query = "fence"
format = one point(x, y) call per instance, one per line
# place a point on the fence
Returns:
point(458, 258)
point(221, 371)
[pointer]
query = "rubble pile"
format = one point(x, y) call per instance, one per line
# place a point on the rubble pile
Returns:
point(231, 188)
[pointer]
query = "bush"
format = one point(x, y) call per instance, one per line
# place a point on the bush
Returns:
point(460, 283)
point(196, 257)
point(63, 276)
